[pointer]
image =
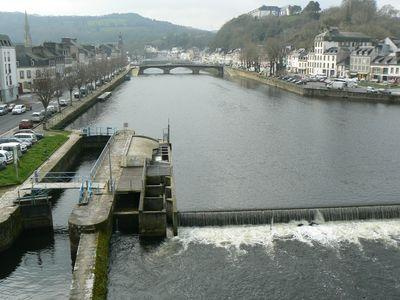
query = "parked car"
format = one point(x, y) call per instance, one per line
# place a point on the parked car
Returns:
point(39, 136)
point(9, 147)
point(14, 139)
point(10, 107)
point(76, 95)
point(52, 109)
point(25, 124)
point(64, 102)
point(28, 106)
point(37, 117)
point(3, 110)
point(371, 90)
point(25, 136)
point(6, 156)
point(19, 109)
point(98, 83)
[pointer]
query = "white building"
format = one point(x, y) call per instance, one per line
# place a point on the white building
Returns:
point(386, 68)
point(297, 61)
point(8, 70)
point(333, 47)
point(265, 11)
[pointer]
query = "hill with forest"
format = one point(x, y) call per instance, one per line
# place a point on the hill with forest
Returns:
point(137, 31)
point(247, 32)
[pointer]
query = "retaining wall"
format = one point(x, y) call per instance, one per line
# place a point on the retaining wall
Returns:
point(60, 121)
point(10, 226)
point(316, 93)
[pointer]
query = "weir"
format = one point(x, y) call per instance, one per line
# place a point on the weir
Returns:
point(270, 216)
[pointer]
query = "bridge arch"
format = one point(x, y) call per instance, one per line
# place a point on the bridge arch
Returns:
point(166, 69)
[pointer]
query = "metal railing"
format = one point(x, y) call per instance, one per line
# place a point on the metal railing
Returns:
point(98, 131)
point(102, 156)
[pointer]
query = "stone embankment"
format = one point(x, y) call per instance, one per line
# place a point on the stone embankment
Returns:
point(70, 113)
point(313, 92)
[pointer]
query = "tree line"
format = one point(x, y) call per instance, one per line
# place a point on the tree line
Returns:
point(49, 84)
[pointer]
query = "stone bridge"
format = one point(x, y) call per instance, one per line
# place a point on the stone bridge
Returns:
point(167, 68)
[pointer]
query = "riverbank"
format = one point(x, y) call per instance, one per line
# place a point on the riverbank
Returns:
point(69, 114)
point(313, 92)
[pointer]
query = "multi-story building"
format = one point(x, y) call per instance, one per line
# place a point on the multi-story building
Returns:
point(297, 61)
point(8, 70)
point(332, 47)
point(360, 62)
point(386, 68)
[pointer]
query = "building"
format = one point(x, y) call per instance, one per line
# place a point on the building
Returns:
point(8, 70)
point(265, 11)
point(360, 62)
point(386, 68)
point(297, 61)
point(334, 46)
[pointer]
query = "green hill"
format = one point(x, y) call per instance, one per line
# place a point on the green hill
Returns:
point(136, 30)
point(299, 30)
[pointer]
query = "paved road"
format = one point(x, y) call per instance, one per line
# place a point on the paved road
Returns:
point(10, 121)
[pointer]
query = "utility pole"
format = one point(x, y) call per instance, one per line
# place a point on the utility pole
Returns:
point(109, 164)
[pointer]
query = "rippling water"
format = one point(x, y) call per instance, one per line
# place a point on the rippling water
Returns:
point(241, 145)
point(359, 260)
point(39, 265)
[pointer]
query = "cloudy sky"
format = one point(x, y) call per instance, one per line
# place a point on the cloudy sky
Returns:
point(205, 14)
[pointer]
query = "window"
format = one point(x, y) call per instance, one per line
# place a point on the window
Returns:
point(28, 74)
point(21, 74)
point(10, 80)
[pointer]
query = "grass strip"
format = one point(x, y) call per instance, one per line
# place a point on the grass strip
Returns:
point(33, 159)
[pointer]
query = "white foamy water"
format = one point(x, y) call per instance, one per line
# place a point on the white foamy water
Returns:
point(333, 234)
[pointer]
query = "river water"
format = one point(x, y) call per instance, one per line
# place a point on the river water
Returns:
point(238, 144)
point(39, 265)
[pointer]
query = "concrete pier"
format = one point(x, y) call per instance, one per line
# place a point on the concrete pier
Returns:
point(139, 198)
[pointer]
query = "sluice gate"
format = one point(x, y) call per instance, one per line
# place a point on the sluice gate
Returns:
point(270, 216)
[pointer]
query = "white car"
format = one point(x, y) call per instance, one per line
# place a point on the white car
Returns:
point(37, 117)
point(25, 136)
point(64, 102)
point(19, 109)
point(52, 109)
point(6, 156)
point(9, 147)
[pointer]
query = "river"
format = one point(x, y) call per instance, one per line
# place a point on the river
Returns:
point(238, 144)
point(38, 265)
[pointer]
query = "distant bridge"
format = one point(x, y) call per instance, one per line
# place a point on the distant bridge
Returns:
point(167, 68)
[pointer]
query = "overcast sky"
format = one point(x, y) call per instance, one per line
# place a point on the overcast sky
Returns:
point(205, 14)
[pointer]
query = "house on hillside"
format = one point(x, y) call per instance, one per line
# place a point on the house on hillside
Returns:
point(8, 70)
point(265, 11)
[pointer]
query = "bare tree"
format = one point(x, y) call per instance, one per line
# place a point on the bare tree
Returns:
point(70, 81)
point(44, 87)
point(59, 86)
point(81, 77)
point(274, 50)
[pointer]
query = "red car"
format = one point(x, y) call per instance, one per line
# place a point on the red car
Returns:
point(25, 124)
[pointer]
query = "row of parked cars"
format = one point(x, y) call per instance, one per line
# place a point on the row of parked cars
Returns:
point(293, 79)
point(19, 143)
point(15, 109)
